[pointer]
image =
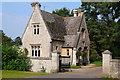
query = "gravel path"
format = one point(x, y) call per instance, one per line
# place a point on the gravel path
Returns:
point(77, 73)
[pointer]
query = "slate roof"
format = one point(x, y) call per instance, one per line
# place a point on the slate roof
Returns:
point(72, 25)
point(64, 29)
point(55, 25)
point(69, 40)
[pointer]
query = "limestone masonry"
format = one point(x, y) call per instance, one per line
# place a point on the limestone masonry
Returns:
point(111, 67)
point(48, 35)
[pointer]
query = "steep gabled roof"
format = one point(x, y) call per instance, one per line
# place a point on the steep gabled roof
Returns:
point(72, 25)
point(55, 25)
point(69, 40)
point(64, 29)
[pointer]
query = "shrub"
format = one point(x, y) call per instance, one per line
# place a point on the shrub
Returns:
point(94, 56)
point(26, 51)
point(42, 69)
point(78, 53)
point(97, 63)
point(84, 54)
point(14, 59)
point(75, 66)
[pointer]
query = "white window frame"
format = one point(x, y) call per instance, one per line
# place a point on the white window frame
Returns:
point(36, 27)
point(35, 48)
point(68, 52)
point(84, 34)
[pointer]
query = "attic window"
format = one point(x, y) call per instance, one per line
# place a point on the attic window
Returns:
point(85, 48)
point(83, 42)
point(83, 29)
point(37, 25)
point(56, 47)
point(67, 44)
point(36, 30)
point(80, 49)
point(67, 51)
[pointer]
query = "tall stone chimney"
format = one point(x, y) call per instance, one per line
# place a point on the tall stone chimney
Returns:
point(35, 5)
point(79, 12)
point(75, 13)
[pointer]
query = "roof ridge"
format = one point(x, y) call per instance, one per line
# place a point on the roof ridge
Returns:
point(51, 13)
point(55, 25)
point(61, 16)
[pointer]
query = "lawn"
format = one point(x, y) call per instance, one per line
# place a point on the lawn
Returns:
point(97, 63)
point(21, 74)
point(75, 66)
point(105, 78)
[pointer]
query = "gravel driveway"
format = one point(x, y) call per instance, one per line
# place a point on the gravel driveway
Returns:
point(77, 73)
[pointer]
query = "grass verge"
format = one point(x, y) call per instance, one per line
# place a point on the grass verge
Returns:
point(106, 78)
point(75, 66)
point(97, 63)
point(21, 74)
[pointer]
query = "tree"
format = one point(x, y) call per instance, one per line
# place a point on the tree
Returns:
point(5, 39)
point(64, 12)
point(18, 41)
point(102, 25)
point(13, 58)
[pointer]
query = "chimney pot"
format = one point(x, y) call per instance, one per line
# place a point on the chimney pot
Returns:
point(35, 4)
point(75, 12)
point(79, 12)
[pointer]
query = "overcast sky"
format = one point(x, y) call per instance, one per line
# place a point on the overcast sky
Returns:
point(15, 15)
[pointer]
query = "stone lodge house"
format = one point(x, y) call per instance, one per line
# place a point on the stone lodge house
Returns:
point(46, 33)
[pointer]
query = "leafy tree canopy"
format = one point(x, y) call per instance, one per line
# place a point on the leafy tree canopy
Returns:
point(62, 12)
point(103, 21)
point(18, 41)
point(13, 58)
point(103, 25)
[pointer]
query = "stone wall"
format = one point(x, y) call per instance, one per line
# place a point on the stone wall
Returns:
point(111, 67)
point(37, 64)
point(115, 68)
point(51, 65)
point(43, 39)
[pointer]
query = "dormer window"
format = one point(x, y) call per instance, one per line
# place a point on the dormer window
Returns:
point(83, 29)
point(36, 30)
point(68, 52)
point(56, 47)
point(83, 32)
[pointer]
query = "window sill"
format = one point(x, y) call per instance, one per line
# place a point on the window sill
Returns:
point(41, 58)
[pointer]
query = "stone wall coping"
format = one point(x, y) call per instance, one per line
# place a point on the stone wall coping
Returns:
point(41, 58)
point(114, 60)
point(106, 52)
point(56, 52)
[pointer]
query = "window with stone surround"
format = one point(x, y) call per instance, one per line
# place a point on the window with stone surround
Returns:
point(67, 51)
point(84, 34)
point(35, 51)
point(36, 28)
point(83, 31)
point(56, 47)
